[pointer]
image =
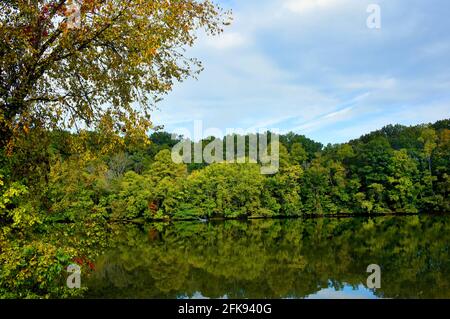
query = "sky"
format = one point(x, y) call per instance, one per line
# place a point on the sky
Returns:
point(346, 292)
point(315, 68)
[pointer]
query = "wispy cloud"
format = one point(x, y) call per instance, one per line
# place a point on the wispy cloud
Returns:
point(327, 119)
point(362, 83)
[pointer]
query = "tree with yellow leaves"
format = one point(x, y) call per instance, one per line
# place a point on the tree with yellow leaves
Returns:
point(68, 63)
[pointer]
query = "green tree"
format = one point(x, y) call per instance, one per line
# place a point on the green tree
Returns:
point(283, 189)
point(154, 194)
point(372, 160)
point(429, 139)
point(316, 189)
point(298, 154)
point(228, 190)
point(404, 187)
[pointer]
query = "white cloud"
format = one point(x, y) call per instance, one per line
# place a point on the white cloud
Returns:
point(301, 6)
point(226, 40)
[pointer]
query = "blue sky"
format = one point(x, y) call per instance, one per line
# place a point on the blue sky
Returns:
point(315, 68)
point(347, 292)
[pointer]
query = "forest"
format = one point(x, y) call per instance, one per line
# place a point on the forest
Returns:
point(59, 201)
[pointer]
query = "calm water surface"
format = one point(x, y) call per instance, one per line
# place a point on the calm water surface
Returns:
point(289, 258)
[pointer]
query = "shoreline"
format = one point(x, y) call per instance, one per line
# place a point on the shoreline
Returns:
point(306, 216)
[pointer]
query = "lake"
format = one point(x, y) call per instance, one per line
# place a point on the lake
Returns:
point(277, 258)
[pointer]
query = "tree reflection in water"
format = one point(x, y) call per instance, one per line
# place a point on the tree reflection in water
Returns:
point(287, 258)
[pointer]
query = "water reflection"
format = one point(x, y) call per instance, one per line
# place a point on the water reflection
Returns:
point(293, 258)
point(347, 292)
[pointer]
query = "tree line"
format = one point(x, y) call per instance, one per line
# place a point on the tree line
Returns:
point(397, 169)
